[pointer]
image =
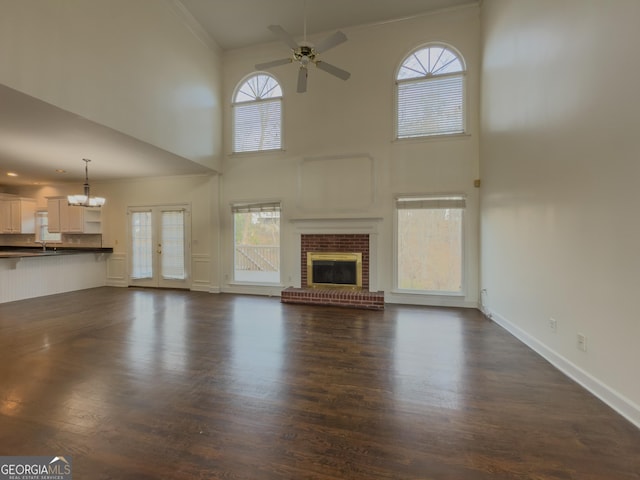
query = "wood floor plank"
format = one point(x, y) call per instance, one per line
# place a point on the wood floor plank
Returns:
point(165, 384)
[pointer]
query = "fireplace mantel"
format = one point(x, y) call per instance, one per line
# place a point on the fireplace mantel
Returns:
point(337, 225)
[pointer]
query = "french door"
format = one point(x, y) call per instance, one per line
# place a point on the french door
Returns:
point(159, 240)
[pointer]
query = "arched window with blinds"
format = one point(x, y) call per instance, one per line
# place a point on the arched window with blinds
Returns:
point(257, 114)
point(430, 87)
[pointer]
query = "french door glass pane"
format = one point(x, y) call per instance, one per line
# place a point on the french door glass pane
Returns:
point(172, 264)
point(142, 245)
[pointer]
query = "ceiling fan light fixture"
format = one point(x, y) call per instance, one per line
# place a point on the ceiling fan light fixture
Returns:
point(305, 53)
point(85, 199)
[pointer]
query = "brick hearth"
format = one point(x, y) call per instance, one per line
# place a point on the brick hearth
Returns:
point(337, 297)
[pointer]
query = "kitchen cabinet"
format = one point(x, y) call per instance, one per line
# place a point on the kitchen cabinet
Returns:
point(65, 218)
point(17, 215)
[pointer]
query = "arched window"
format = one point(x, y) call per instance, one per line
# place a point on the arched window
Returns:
point(257, 114)
point(430, 93)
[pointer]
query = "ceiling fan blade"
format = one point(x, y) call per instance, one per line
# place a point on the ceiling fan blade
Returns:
point(284, 36)
point(302, 80)
point(330, 42)
point(333, 70)
point(274, 63)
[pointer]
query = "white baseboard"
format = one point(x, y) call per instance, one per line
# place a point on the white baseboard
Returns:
point(200, 287)
point(457, 301)
point(608, 395)
point(268, 291)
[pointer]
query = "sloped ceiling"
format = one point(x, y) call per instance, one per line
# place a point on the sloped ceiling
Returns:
point(240, 23)
point(38, 139)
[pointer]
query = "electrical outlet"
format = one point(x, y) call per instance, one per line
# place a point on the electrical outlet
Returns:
point(553, 324)
point(582, 342)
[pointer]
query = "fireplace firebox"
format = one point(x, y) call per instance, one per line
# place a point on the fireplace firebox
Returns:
point(334, 270)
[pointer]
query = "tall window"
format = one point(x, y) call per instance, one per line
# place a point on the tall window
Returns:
point(257, 114)
point(430, 93)
point(429, 243)
point(256, 242)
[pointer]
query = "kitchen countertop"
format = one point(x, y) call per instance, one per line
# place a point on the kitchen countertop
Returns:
point(21, 252)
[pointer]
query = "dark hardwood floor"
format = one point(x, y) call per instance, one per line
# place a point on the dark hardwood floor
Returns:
point(161, 384)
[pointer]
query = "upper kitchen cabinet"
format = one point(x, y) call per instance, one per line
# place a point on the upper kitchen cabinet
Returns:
point(65, 218)
point(17, 215)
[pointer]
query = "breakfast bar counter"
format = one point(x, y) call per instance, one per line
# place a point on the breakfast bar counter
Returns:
point(28, 272)
point(23, 252)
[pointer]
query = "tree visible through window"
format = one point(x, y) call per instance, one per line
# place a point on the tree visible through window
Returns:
point(429, 243)
point(257, 114)
point(257, 242)
point(430, 93)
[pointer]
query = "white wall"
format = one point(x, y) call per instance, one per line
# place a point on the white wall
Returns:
point(342, 132)
point(560, 169)
point(134, 66)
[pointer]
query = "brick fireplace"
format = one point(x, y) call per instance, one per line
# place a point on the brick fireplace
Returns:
point(336, 243)
point(339, 243)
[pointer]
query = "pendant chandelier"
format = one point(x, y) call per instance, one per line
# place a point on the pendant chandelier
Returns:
point(85, 200)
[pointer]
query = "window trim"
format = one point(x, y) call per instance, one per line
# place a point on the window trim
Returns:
point(463, 242)
point(465, 100)
point(38, 216)
point(248, 207)
point(234, 103)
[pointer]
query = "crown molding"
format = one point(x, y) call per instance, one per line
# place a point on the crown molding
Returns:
point(193, 25)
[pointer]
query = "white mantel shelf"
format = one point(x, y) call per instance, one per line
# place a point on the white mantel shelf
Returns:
point(336, 220)
point(337, 225)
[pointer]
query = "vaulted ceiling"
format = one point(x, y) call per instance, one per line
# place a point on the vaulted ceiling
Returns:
point(31, 131)
point(239, 23)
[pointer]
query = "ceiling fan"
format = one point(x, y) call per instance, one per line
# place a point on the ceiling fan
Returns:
point(306, 53)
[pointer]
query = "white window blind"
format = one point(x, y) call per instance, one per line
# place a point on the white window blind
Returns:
point(431, 202)
point(142, 245)
point(257, 115)
point(257, 126)
point(430, 93)
point(173, 246)
point(255, 207)
point(432, 106)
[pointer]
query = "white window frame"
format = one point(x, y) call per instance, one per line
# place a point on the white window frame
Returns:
point(248, 207)
point(42, 230)
point(236, 103)
point(463, 279)
point(462, 73)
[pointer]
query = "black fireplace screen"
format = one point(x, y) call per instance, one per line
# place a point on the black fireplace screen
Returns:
point(337, 272)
